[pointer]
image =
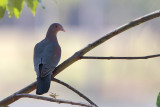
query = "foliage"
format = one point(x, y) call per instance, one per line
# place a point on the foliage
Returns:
point(158, 100)
point(32, 4)
point(14, 7)
point(2, 7)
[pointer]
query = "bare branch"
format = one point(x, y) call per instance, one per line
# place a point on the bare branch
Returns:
point(127, 58)
point(74, 90)
point(119, 30)
point(83, 51)
point(12, 98)
point(52, 100)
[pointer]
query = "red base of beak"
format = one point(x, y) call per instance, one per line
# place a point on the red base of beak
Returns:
point(62, 30)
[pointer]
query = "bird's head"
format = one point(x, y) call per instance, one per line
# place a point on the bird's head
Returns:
point(55, 27)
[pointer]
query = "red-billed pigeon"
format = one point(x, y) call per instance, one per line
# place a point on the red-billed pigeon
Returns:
point(47, 54)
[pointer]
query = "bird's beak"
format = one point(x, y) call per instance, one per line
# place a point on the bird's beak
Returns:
point(62, 30)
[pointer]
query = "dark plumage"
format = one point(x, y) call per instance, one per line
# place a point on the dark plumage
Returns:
point(47, 54)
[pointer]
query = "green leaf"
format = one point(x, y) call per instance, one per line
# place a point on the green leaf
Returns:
point(158, 100)
point(2, 8)
point(15, 7)
point(32, 4)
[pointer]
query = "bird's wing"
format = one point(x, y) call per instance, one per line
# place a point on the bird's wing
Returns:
point(37, 58)
point(46, 57)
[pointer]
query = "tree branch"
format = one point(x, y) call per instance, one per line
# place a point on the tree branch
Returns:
point(119, 30)
point(83, 51)
point(128, 58)
point(74, 90)
point(52, 100)
point(12, 98)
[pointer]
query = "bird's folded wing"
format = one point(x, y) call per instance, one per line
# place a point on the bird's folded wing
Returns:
point(45, 70)
point(48, 55)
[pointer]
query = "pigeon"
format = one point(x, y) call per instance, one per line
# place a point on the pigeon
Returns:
point(47, 54)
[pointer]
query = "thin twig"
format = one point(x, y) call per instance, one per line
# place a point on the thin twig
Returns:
point(83, 51)
point(52, 100)
point(127, 58)
point(74, 90)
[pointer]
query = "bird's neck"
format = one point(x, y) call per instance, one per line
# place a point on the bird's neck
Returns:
point(51, 36)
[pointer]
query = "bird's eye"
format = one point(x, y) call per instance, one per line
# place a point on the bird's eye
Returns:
point(56, 26)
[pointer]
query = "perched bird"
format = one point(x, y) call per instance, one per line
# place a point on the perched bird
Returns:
point(47, 54)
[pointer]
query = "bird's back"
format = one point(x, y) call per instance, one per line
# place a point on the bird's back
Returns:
point(47, 53)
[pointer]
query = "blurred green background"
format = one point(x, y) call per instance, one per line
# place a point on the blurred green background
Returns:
point(109, 83)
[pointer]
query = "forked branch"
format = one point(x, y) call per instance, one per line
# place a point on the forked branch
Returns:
point(52, 100)
point(119, 30)
point(74, 90)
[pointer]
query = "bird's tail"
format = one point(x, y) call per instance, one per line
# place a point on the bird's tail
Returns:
point(43, 84)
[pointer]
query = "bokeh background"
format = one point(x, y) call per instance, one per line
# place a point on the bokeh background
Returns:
point(109, 83)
